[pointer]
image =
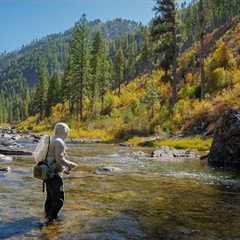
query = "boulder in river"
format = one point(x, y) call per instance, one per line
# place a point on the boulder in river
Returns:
point(4, 158)
point(108, 170)
point(169, 153)
point(225, 149)
point(5, 141)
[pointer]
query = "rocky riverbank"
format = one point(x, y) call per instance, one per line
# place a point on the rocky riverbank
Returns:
point(13, 142)
point(225, 150)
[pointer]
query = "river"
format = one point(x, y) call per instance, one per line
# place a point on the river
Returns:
point(148, 199)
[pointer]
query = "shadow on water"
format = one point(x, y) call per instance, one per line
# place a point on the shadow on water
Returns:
point(18, 227)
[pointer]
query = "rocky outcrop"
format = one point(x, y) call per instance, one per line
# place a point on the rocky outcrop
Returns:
point(172, 154)
point(225, 150)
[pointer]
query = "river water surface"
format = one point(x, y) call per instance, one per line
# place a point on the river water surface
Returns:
point(148, 199)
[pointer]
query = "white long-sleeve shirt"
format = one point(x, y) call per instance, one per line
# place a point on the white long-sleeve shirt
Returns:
point(56, 156)
point(56, 151)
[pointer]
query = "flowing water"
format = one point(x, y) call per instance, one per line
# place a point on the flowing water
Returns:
point(148, 199)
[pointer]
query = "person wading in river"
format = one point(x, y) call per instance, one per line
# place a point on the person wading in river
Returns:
point(57, 163)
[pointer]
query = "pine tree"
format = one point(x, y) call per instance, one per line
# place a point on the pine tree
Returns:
point(54, 93)
point(119, 69)
point(131, 63)
point(25, 102)
point(164, 34)
point(202, 52)
point(97, 55)
point(80, 51)
point(105, 75)
point(146, 52)
point(67, 85)
point(40, 97)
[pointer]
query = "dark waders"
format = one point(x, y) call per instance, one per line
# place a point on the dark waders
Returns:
point(55, 197)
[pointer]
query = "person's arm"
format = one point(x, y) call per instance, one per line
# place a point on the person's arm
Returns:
point(60, 155)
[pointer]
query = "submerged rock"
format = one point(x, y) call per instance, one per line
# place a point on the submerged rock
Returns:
point(138, 154)
point(4, 158)
point(124, 145)
point(168, 154)
point(104, 170)
point(225, 150)
point(7, 141)
point(5, 169)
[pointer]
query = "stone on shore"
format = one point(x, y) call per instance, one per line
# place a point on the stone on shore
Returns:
point(225, 150)
point(172, 154)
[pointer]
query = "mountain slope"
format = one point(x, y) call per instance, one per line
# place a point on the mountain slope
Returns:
point(142, 107)
point(53, 49)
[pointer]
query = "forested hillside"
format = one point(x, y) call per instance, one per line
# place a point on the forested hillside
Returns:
point(178, 73)
point(19, 70)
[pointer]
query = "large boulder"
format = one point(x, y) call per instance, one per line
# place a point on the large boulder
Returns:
point(225, 150)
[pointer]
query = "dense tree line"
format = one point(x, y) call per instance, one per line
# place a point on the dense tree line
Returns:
point(80, 66)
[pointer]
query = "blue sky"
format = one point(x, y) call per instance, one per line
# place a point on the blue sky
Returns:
point(21, 21)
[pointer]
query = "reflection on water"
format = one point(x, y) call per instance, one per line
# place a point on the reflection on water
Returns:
point(148, 199)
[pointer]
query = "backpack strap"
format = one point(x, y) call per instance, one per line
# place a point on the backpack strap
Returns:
point(45, 162)
point(43, 186)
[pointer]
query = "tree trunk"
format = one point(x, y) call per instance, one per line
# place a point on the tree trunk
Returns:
point(93, 97)
point(202, 52)
point(81, 102)
point(174, 79)
point(102, 101)
point(119, 87)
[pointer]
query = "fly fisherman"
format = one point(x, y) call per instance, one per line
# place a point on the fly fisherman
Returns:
point(57, 163)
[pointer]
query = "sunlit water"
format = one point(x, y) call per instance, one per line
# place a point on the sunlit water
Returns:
point(148, 199)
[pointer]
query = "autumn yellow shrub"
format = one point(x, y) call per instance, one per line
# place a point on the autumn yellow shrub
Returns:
point(218, 79)
point(189, 78)
point(90, 134)
point(60, 113)
point(182, 111)
point(222, 57)
point(135, 141)
point(29, 123)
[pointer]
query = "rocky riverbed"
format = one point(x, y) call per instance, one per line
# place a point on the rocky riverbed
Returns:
point(123, 193)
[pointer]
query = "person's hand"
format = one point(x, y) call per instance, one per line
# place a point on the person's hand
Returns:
point(67, 171)
point(73, 165)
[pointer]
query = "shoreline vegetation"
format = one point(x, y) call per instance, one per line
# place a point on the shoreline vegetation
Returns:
point(193, 143)
point(198, 143)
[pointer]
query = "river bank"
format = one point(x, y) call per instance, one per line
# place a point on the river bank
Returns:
point(195, 143)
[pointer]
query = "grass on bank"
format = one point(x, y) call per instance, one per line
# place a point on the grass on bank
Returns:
point(196, 143)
